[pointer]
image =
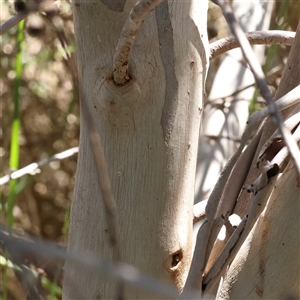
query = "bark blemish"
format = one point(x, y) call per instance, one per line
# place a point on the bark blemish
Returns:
point(176, 267)
point(119, 104)
point(176, 259)
point(259, 292)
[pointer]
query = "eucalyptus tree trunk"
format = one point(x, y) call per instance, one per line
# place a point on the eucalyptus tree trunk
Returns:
point(149, 130)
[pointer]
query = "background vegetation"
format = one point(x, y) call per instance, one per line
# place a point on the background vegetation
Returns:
point(40, 117)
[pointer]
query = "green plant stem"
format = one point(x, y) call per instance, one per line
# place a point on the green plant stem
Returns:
point(14, 146)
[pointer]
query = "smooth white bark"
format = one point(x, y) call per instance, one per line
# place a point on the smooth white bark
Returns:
point(149, 130)
point(268, 265)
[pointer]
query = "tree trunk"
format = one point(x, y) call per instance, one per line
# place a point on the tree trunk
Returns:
point(149, 130)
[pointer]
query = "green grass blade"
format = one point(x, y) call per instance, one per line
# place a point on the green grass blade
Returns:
point(14, 146)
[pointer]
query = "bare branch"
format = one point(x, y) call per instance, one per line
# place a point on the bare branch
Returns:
point(270, 37)
point(194, 279)
point(33, 168)
point(217, 225)
point(260, 79)
point(14, 20)
point(220, 265)
point(230, 224)
point(128, 34)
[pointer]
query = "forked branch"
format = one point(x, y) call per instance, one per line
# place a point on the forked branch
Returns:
point(127, 37)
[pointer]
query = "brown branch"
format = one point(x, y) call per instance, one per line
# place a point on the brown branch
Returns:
point(270, 37)
point(127, 37)
point(260, 79)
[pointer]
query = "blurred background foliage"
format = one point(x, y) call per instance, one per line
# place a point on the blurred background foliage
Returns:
point(37, 92)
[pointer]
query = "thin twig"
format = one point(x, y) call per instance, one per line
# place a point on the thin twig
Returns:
point(270, 37)
point(33, 168)
point(260, 79)
point(236, 92)
point(128, 34)
point(219, 137)
point(114, 270)
point(104, 183)
point(14, 20)
point(103, 177)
